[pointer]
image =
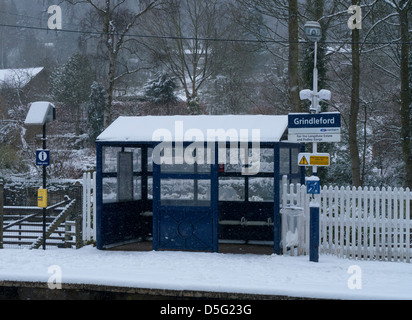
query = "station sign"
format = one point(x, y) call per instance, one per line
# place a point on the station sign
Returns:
point(42, 157)
point(314, 159)
point(314, 128)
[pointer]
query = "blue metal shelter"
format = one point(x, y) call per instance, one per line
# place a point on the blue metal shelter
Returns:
point(190, 182)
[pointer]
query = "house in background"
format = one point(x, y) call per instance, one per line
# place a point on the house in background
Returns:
point(21, 86)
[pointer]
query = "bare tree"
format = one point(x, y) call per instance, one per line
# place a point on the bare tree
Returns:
point(279, 25)
point(402, 8)
point(115, 23)
point(401, 60)
point(184, 32)
point(354, 107)
point(293, 72)
point(365, 56)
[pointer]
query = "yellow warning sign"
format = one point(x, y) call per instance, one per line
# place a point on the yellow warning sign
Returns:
point(314, 159)
point(322, 161)
point(304, 162)
point(42, 198)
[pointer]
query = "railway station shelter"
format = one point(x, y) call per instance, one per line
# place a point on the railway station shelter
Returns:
point(191, 182)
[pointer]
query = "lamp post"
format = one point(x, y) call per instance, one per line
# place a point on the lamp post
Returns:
point(313, 32)
point(41, 113)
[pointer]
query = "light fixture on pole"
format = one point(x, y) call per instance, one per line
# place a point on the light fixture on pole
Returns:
point(313, 33)
point(322, 95)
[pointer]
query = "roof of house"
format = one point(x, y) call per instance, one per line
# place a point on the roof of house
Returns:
point(240, 128)
point(18, 78)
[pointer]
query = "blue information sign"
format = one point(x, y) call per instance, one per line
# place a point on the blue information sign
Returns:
point(42, 157)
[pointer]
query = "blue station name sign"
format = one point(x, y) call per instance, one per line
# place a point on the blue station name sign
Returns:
point(322, 127)
point(322, 120)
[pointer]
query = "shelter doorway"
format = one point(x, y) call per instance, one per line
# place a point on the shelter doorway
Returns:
point(184, 205)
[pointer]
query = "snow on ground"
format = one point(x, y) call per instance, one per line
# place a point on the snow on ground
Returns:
point(254, 274)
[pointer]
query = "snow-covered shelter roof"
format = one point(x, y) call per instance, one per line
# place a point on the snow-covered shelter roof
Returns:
point(251, 128)
point(18, 78)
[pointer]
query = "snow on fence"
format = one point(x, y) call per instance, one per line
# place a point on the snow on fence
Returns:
point(89, 207)
point(357, 223)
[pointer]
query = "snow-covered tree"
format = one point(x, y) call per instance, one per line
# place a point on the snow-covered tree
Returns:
point(193, 106)
point(95, 110)
point(70, 85)
point(161, 91)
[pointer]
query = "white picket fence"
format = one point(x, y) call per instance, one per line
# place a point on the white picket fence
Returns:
point(363, 223)
point(357, 223)
point(89, 207)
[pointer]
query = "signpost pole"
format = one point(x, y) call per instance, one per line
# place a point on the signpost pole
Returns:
point(315, 102)
point(44, 187)
point(314, 231)
point(314, 29)
point(39, 114)
point(314, 205)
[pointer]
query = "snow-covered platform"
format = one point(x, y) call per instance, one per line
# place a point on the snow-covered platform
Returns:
point(226, 275)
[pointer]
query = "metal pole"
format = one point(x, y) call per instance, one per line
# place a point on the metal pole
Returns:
point(44, 187)
point(314, 232)
point(315, 205)
point(315, 101)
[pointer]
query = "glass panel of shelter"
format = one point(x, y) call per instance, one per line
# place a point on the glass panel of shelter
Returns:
point(288, 156)
point(259, 187)
point(236, 184)
point(122, 174)
point(188, 181)
point(187, 192)
point(150, 173)
point(233, 185)
point(288, 163)
point(185, 160)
